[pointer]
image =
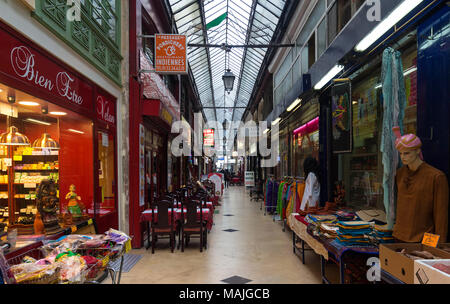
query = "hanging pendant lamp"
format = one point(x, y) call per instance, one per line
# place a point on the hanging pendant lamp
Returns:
point(45, 141)
point(13, 138)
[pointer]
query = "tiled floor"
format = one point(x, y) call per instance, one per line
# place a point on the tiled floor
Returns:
point(259, 251)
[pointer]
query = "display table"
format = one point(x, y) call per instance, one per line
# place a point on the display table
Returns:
point(327, 249)
point(299, 228)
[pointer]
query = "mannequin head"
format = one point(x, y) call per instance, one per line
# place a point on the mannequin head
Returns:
point(409, 148)
point(409, 157)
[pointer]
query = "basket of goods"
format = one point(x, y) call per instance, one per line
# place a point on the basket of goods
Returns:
point(94, 266)
point(36, 272)
point(74, 269)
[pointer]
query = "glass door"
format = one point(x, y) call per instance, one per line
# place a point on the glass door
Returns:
point(106, 212)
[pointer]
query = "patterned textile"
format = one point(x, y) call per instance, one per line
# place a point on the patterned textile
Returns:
point(394, 102)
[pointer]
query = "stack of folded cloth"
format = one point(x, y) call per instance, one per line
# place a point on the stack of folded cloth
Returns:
point(382, 234)
point(353, 233)
point(329, 230)
point(343, 215)
point(317, 220)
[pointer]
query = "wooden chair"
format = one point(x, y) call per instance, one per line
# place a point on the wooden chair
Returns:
point(191, 224)
point(164, 225)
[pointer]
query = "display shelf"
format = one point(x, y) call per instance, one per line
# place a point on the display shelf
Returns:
point(36, 170)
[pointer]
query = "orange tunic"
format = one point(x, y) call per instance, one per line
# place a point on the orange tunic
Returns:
point(422, 203)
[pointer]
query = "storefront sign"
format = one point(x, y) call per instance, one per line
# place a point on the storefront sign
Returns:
point(249, 179)
point(341, 117)
point(27, 64)
point(105, 110)
point(208, 137)
point(165, 115)
point(170, 54)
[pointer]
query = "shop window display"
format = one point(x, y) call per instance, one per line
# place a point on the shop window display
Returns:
point(46, 154)
point(362, 171)
point(304, 146)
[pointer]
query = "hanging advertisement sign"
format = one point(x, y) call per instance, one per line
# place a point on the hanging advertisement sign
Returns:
point(249, 179)
point(170, 54)
point(208, 138)
point(341, 111)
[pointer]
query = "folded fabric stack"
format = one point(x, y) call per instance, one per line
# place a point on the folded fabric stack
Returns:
point(353, 233)
point(343, 215)
point(382, 234)
point(329, 230)
point(316, 220)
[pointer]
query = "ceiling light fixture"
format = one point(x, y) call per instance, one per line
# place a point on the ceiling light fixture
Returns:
point(37, 121)
point(13, 138)
point(410, 70)
point(333, 72)
point(394, 17)
point(75, 131)
point(58, 113)
point(294, 104)
point(28, 103)
point(276, 121)
point(46, 142)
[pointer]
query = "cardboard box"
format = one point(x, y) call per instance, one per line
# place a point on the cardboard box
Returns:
point(400, 266)
point(425, 273)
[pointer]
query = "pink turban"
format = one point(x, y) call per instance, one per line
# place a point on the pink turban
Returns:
point(407, 142)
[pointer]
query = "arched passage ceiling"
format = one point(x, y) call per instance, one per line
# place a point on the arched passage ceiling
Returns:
point(247, 22)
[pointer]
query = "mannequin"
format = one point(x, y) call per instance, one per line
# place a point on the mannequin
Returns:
point(311, 194)
point(422, 194)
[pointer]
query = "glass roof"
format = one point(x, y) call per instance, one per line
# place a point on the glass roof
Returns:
point(237, 22)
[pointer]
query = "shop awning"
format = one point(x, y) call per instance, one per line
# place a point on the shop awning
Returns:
point(156, 92)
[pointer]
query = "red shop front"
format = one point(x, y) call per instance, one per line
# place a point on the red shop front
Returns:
point(65, 127)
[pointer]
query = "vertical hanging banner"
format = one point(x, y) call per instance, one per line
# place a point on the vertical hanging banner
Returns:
point(170, 54)
point(208, 137)
point(341, 111)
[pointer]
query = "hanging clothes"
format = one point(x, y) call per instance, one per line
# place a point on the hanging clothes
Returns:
point(299, 197)
point(311, 195)
point(394, 102)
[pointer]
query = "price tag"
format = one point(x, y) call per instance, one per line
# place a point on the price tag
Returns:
point(90, 221)
point(17, 157)
point(127, 246)
point(431, 240)
point(7, 162)
point(74, 228)
point(29, 185)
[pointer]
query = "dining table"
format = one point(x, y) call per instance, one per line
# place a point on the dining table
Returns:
point(147, 216)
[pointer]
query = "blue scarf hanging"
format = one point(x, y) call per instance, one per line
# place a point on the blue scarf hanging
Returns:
point(394, 102)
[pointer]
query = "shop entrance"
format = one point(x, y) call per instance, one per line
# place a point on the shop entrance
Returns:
point(106, 208)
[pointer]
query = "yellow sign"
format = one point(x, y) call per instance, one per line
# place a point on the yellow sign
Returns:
point(166, 116)
point(90, 221)
point(431, 240)
point(127, 246)
point(74, 228)
point(105, 261)
point(17, 157)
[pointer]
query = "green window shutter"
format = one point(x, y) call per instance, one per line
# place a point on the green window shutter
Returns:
point(96, 37)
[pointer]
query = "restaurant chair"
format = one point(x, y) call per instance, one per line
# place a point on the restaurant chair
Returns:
point(164, 225)
point(191, 224)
